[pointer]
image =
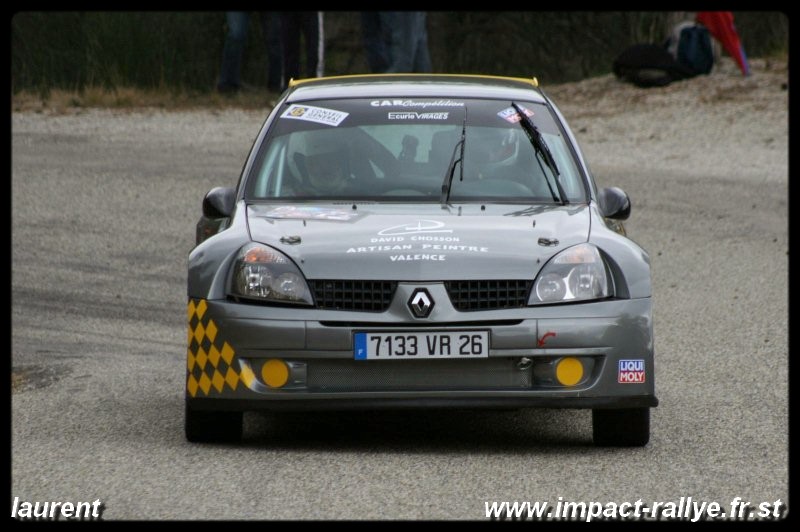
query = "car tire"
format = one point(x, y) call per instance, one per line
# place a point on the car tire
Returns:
point(629, 427)
point(205, 426)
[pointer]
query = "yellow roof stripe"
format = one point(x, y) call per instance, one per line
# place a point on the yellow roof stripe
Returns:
point(295, 82)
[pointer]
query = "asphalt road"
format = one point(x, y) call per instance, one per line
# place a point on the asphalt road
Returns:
point(103, 216)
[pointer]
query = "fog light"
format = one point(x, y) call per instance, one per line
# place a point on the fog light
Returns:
point(275, 373)
point(569, 371)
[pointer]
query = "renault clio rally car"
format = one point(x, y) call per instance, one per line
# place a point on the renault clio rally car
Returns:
point(417, 241)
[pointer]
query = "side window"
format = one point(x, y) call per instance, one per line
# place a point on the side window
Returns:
point(281, 172)
point(273, 173)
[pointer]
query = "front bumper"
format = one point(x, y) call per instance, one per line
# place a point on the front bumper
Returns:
point(229, 344)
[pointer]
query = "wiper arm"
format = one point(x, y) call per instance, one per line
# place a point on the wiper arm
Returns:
point(448, 178)
point(541, 148)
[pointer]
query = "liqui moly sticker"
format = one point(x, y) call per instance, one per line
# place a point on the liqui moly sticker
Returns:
point(631, 372)
point(512, 115)
point(319, 115)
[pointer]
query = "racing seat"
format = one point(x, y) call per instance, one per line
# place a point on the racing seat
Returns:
point(300, 164)
point(442, 145)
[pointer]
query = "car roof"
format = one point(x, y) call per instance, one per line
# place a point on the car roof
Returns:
point(415, 85)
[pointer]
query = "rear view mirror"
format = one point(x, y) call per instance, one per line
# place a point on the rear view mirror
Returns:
point(614, 203)
point(218, 206)
point(219, 202)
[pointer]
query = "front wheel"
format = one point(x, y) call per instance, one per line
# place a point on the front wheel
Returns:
point(629, 427)
point(210, 426)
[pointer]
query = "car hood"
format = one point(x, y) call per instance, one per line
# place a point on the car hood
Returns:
point(419, 242)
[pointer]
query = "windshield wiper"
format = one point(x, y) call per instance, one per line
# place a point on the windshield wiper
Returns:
point(448, 177)
point(540, 146)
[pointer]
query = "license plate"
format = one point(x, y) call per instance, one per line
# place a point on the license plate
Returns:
point(421, 345)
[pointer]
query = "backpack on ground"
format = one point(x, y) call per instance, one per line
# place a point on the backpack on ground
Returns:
point(690, 45)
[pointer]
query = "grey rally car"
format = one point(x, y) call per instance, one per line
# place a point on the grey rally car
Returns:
point(417, 241)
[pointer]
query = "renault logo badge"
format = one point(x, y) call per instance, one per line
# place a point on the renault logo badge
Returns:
point(421, 303)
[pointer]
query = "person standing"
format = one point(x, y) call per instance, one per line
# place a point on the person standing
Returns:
point(305, 26)
point(376, 41)
point(230, 79)
point(408, 41)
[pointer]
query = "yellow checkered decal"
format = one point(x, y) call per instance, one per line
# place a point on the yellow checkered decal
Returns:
point(211, 364)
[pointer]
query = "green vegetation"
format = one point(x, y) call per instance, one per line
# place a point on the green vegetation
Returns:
point(178, 53)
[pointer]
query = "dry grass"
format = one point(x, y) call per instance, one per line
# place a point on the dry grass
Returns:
point(17, 380)
point(608, 96)
point(66, 102)
point(603, 95)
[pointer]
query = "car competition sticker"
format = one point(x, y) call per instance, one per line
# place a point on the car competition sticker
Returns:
point(319, 115)
point(415, 103)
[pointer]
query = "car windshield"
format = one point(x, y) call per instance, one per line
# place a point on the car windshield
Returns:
point(402, 149)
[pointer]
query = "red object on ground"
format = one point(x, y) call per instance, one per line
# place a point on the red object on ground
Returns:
point(720, 25)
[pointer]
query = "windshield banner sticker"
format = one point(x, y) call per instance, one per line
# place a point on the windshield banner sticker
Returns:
point(424, 240)
point(413, 115)
point(319, 115)
point(510, 114)
point(413, 103)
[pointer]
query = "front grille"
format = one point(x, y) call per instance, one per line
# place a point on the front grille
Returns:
point(368, 296)
point(417, 375)
point(488, 295)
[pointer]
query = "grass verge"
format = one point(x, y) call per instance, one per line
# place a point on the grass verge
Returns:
point(59, 101)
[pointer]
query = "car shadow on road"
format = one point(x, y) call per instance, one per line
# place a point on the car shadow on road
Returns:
point(428, 431)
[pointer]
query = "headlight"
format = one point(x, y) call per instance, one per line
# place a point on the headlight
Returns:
point(261, 272)
point(576, 274)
